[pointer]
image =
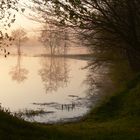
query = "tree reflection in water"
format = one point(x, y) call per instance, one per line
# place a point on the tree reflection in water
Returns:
point(98, 82)
point(54, 73)
point(18, 73)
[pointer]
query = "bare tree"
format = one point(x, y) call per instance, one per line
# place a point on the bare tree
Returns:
point(20, 37)
point(18, 73)
point(55, 38)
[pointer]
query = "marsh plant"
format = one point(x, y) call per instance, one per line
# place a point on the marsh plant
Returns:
point(29, 113)
point(2, 109)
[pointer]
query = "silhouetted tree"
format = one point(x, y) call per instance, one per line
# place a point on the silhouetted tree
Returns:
point(116, 22)
point(8, 9)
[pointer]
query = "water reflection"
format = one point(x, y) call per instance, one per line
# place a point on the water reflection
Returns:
point(18, 73)
point(62, 77)
point(54, 73)
point(98, 82)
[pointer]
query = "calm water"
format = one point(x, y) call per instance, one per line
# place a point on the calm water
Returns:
point(54, 87)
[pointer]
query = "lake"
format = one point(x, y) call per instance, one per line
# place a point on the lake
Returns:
point(45, 89)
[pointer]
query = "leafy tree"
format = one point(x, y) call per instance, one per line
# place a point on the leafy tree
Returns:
point(6, 19)
point(8, 10)
point(116, 22)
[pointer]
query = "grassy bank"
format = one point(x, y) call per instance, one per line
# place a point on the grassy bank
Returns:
point(116, 118)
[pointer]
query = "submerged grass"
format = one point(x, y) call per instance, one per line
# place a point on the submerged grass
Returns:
point(29, 113)
point(116, 118)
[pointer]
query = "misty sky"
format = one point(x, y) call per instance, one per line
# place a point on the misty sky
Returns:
point(23, 21)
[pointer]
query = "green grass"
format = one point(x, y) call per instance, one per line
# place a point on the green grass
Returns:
point(116, 118)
